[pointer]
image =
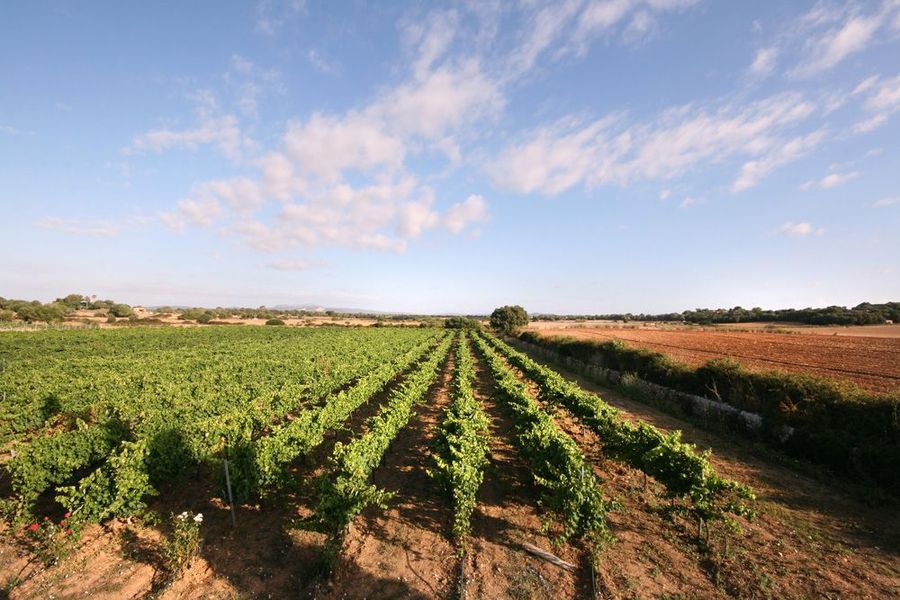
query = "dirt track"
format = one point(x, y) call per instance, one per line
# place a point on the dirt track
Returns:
point(872, 363)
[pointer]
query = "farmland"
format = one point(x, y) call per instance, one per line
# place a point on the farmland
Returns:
point(871, 362)
point(358, 460)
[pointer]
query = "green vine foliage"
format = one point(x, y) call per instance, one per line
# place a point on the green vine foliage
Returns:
point(263, 466)
point(114, 416)
point(569, 487)
point(117, 488)
point(52, 460)
point(677, 465)
point(462, 444)
point(345, 489)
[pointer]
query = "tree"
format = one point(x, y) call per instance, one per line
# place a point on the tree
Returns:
point(507, 319)
point(120, 310)
point(71, 301)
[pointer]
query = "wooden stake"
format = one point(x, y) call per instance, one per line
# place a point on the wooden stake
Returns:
point(230, 497)
point(548, 557)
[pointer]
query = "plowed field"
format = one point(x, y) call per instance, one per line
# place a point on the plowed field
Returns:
point(872, 363)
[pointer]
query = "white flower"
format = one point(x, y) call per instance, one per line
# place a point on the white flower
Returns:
point(183, 515)
point(198, 518)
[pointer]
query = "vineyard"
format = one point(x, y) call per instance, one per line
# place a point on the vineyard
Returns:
point(337, 450)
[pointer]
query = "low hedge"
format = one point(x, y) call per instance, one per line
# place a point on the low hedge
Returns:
point(836, 423)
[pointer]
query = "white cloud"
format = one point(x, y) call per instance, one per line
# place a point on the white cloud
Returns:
point(830, 34)
point(886, 201)
point(764, 63)
point(568, 27)
point(326, 145)
point(865, 85)
point(611, 151)
point(886, 97)
point(431, 38)
point(883, 100)
point(870, 124)
point(836, 179)
point(222, 132)
point(831, 180)
point(602, 17)
point(438, 101)
point(271, 15)
point(664, 195)
point(687, 202)
point(192, 212)
point(241, 194)
point(753, 171)
point(416, 217)
point(472, 210)
point(799, 229)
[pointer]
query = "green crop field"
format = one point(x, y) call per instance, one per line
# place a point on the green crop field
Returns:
point(105, 424)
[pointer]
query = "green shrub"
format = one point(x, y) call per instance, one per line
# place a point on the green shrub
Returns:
point(274, 322)
point(462, 323)
point(121, 310)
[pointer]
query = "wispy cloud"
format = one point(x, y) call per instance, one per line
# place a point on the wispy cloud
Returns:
point(612, 150)
point(93, 228)
point(213, 128)
point(764, 63)
point(830, 33)
point(272, 15)
point(800, 229)
point(192, 212)
point(10, 130)
point(887, 201)
point(320, 63)
point(831, 180)
point(883, 99)
point(688, 202)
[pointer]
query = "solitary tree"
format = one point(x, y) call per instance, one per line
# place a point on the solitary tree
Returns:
point(507, 319)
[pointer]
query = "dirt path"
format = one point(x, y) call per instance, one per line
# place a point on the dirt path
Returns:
point(872, 363)
point(506, 515)
point(405, 547)
point(810, 539)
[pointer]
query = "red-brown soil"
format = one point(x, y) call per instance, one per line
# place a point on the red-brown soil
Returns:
point(405, 547)
point(872, 363)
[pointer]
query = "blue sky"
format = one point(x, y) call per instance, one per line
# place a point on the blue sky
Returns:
point(569, 156)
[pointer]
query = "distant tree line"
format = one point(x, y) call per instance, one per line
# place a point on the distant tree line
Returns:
point(32, 311)
point(866, 313)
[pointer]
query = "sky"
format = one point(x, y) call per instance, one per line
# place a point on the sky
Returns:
point(571, 156)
